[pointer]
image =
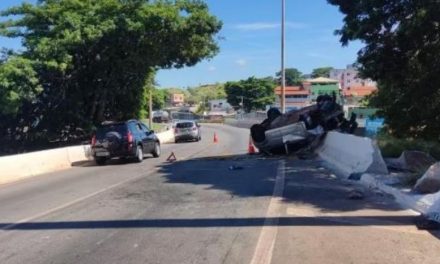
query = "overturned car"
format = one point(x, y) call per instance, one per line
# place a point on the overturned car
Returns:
point(302, 128)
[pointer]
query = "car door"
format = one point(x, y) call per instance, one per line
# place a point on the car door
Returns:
point(149, 138)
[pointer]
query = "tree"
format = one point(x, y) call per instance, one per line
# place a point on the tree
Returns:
point(159, 98)
point(321, 72)
point(293, 77)
point(402, 48)
point(205, 93)
point(90, 60)
point(255, 93)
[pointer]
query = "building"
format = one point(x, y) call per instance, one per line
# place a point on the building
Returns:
point(349, 78)
point(177, 99)
point(296, 97)
point(321, 86)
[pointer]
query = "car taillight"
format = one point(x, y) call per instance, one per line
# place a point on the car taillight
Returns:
point(194, 128)
point(129, 137)
point(93, 143)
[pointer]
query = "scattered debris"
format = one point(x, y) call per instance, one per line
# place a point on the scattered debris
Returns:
point(430, 181)
point(234, 167)
point(356, 195)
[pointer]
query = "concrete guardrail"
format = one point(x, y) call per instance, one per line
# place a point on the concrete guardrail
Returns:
point(350, 154)
point(22, 166)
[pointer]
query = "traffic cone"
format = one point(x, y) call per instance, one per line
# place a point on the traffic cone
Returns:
point(251, 148)
point(215, 138)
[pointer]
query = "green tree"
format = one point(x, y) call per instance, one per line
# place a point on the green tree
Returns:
point(255, 93)
point(90, 60)
point(205, 93)
point(321, 72)
point(159, 98)
point(402, 48)
point(293, 77)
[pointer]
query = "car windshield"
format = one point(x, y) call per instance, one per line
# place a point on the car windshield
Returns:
point(185, 125)
point(103, 130)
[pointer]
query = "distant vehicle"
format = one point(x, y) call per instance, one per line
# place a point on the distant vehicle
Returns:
point(187, 130)
point(161, 117)
point(130, 139)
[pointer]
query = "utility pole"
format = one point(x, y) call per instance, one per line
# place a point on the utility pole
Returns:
point(283, 68)
point(150, 108)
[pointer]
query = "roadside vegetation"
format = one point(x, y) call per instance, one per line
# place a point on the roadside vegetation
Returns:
point(84, 62)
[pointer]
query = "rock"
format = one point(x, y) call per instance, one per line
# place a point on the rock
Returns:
point(430, 181)
point(411, 161)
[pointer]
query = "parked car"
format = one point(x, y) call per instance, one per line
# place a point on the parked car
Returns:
point(130, 139)
point(187, 130)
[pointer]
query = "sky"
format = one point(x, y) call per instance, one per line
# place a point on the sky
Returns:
point(250, 41)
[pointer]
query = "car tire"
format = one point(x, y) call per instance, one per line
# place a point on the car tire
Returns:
point(156, 152)
point(176, 141)
point(139, 154)
point(101, 161)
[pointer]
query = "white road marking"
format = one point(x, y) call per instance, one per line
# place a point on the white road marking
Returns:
point(266, 242)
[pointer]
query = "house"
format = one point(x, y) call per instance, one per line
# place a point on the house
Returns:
point(296, 97)
point(321, 86)
point(177, 99)
point(349, 78)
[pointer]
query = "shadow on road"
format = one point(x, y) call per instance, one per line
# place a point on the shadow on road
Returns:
point(216, 222)
point(111, 162)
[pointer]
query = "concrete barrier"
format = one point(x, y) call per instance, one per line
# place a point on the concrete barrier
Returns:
point(350, 154)
point(166, 137)
point(18, 167)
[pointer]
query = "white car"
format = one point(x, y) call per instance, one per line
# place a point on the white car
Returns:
point(187, 130)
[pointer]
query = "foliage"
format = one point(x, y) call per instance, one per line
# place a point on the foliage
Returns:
point(402, 51)
point(204, 93)
point(256, 93)
point(393, 147)
point(160, 97)
point(321, 72)
point(293, 77)
point(88, 61)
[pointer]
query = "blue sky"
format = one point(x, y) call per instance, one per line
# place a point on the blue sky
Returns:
point(250, 41)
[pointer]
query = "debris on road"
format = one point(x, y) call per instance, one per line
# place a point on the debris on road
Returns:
point(302, 128)
point(235, 167)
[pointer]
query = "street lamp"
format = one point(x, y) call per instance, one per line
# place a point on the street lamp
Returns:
point(283, 70)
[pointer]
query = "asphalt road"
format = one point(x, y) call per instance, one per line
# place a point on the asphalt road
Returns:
point(198, 210)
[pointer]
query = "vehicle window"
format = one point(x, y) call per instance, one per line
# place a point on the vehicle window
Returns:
point(185, 125)
point(133, 127)
point(103, 130)
point(139, 128)
point(145, 128)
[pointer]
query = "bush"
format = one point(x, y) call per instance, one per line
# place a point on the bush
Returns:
point(393, 147)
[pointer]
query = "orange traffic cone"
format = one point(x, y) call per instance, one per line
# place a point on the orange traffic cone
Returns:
point(215, 138)
point(251, 148)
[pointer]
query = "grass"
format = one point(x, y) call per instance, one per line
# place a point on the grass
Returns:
point(392, 147)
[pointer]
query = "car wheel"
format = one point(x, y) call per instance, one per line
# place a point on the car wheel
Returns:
point(139, 154)
point(176, 141)
point(156, 151)
point(101, 161)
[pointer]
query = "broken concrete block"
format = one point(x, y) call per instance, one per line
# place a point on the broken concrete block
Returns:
point(411, 161)
point(430, 181)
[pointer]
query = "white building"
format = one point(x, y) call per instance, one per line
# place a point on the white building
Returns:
point(219, 105)
point(349, 78)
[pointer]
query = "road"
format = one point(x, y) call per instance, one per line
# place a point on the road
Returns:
point(198, 210)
